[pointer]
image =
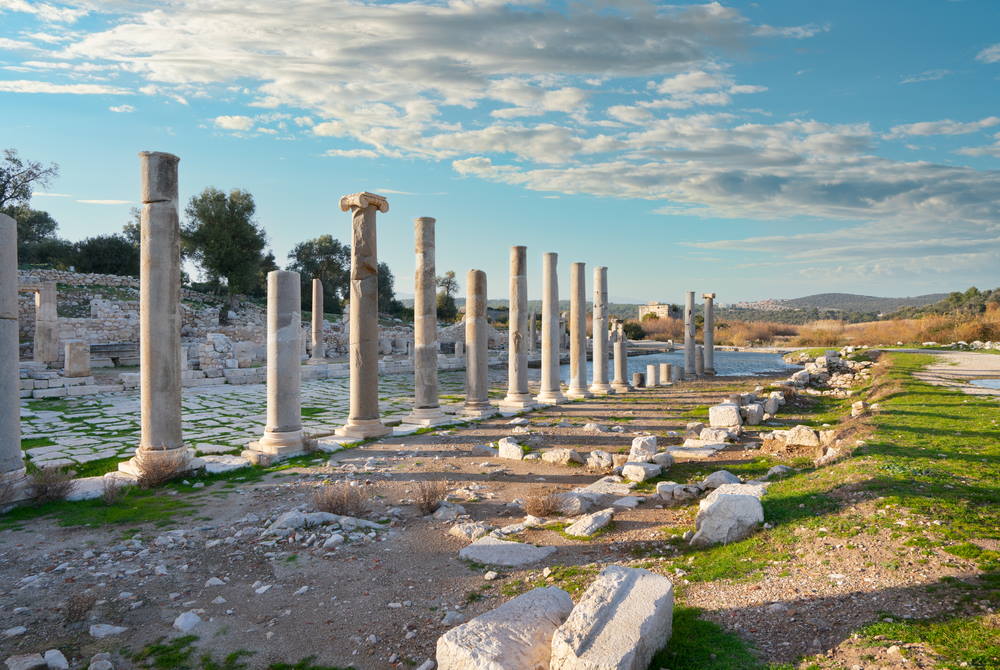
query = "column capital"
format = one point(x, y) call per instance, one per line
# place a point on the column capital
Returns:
point(364, 200)
point(709, 296)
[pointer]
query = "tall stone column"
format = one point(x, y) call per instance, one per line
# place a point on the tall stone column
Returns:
point(708, 333)
point(689, 334)
point(652, 375)
point(477, 402)
point(318, 346)
point(518, 397)
point(363, 420)
point(161, 445)
point(426, 406)
point(11, 460)
point(46, 346)
point(599, 384)
point(578, 332)
point(550, 390)
point(283, 431)
point(620, 382)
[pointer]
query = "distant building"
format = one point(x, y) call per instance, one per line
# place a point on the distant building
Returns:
point(660, 309)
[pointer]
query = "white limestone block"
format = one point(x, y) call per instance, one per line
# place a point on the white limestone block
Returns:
point(640, 472)
point(718, 478)
point(801, 436)
point(589, 524)
point(493, 551)
point(623, 618)
point(510, 449)
point(643, 449)
point(726, 518)
point(724, 415)
point(515, 636)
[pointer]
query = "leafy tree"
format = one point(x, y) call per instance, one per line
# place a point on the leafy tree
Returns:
point(267, 264)
point(108, 254)
point(328, 260)
point(387, 302)
point(19, 177)
point(634, 331)
point(447, 310)
point(220, 234)
point(447, 283)
point(132, 228)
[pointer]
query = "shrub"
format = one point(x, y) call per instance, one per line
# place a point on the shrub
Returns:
point(342, 498)
point(159, 470)
point(49, 484)
point(113, 490)
point(430, 495)
point(544, 505)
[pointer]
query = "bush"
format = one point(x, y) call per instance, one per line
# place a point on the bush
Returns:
point(544, 505)
point(113, 490)
point(634, 331)
point(430, 495)
point(50, 484)
point(342, 498)
point(159, 471)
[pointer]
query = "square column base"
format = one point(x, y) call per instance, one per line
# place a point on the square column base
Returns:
point(181, 459)
point(362, 429)
point(517, 403)
point(274, 446)
point(426, 416)
point(602, 389)
point(17, 480)
point(578, 394)
point(474, 412)
point(621, 388)
point(551, 398)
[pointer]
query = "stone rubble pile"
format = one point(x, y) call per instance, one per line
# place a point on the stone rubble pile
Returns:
point(831, 374)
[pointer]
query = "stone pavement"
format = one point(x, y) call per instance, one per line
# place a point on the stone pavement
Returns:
point(216, 419)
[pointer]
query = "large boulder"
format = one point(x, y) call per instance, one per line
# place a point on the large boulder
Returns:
point(725, 415)
point(724, 518)
point(622, 619)
point(640, 472)
point(753, 413)
point(801, 436)
point(562, 456)
point(643, 449)
point(718, 478)
point(515, 636)
point(599, 460)
point(587, 525)
point(493, 551)
point(510, 448)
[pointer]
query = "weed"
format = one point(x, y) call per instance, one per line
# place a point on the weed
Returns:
point(342, 498)
point(430, 495)
point(50, 484)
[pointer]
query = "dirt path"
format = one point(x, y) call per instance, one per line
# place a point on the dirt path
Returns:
point(956, 368)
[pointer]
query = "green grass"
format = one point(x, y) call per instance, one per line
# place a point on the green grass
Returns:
point(180, 654)
point(697, 644)
point(36, 442)
point(137, 506)
point(961, 641)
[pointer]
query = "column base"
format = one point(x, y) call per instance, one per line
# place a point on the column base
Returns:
point(578, 394)
point(551, 398)
point(517, 402)
point(181, 460)
point(479, 411)
point(276, 446)
point(710, 372)
point(362, 429)
point(16, 482)
point(601, 389)
point(621, 388)
point(426, 416)
point(317, 361)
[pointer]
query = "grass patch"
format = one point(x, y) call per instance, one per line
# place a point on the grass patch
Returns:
point(972, 642)
point(698, 644)
point(33, 442)
point(137, 506)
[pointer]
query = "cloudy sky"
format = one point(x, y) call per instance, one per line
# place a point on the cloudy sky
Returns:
point(770, 149)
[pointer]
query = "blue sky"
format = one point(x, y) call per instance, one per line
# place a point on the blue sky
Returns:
point(771, 149)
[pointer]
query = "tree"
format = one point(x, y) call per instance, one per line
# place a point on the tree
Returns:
point(447, 310)
point(634, 331)
point(108, 254)
point(132, 230)
point(19, 177)
point(220, 234)
point(387, 302)
point(328, 260)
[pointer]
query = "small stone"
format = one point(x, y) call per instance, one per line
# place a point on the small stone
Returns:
point(186, 622)
point(15, 631)
point(55, 660)
point(102, 630)
point(25, 662)
point(490, 576)
point(214, 581)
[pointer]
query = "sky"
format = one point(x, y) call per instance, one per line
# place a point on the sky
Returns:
point(757, 150)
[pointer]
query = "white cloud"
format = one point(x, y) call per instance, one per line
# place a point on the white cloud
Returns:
point(29, 86)
point(44, 11)
point(7, 43)
point(944, 127)
point(926, 75)
point(990, 54)
point(42, 194)
point(105, 202)
point(236, 122)
point(793, 32)
point(350, 153)
point(122, 109)
point(988, 150)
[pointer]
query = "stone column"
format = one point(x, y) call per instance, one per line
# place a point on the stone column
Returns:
point(638, 380)
point(161, 445)
point(518, 397)
point(532, 335)
point(699, 361)
point(578, 332)
point(620, 382)
point(46, 346)
point(599, 384)
point(708, 333)
point(651, 375)
point(363, 420)
point(665, 373)
point(477, 402)
point(283, 431)
point(318, 346)
point(77, 359)
point(550, 390)
point(426, 406)
point(689, 334)
point(11, 460)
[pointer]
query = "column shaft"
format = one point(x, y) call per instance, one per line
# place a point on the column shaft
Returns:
point(599, 330)
point(476, 355)
point(620, 382)
point(11, 459)
point(708, 333)
point(689, 334)
point(363, 420)
point(318, 346)
point(517, 352)
point(578, 332)
point(426, 406)
point(550, 390)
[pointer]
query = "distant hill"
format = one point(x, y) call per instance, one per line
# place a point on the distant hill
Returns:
point(850, 302)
